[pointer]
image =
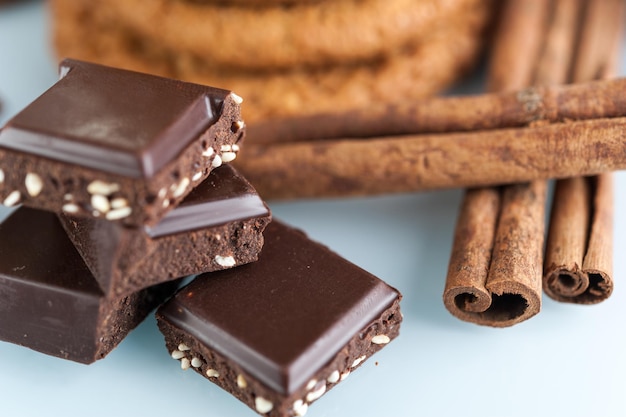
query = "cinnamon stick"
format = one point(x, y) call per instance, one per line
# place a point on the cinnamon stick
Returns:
point(435, 161)
point(513, 256)
point(451, 114)
point(578, 263)
point(494, 276)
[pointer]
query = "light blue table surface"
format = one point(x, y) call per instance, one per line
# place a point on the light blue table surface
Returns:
point(567, 361)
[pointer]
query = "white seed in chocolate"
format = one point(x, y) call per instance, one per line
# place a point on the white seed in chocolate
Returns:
point(357, 361)
point(344, 375)
point(119, 213)
point(166, 203)
point(212, 373)
point(100, 203)
point(225, 261)
point(196, 363)
point(300, 408)
point(226, 148)
point(33, 183)
point(185, 363)
point(217, 161)
point(162, 192)
point(12, 199)
point(237, 99)
point(183, 347)
point(333, 378)
point(228, 156)
point(119, 202)
point(181, 188)
point(208, 152)
point(197, 176)
point(71, 208)
point(262, 405)
point(177, 354)
point(311, 384)
point(315, 394)
point(1, 176)
point(103, 188)
point(380, 339)
point(241, 382)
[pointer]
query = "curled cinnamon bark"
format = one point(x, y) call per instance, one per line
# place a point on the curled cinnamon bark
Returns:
point(436, 161)
point(579, 251)
point(513, 283)
point(451, 114)
point(494, 275)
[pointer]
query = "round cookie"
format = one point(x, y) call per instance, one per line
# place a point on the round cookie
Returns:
point(253, 3)
point(312, 35)
point(413, 72)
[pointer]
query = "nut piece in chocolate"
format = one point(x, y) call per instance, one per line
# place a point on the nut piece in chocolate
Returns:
point(280, 332)
point(121, 145)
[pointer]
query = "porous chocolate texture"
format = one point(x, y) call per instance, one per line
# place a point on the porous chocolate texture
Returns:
point(219, 225)
point(108, 143)
point(280, 332)
point(49, 300)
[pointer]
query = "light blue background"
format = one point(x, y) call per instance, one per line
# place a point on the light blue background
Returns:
point(567, 361)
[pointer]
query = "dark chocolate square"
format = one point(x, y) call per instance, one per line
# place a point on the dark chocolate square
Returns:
point(218, 225)
point(141, 140)
point(49, 300)
point(279, 332)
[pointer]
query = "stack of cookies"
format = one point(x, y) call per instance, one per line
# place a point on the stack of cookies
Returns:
point(287, 57)
point(121, 187)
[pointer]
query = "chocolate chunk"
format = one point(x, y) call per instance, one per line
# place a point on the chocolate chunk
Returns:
point(279, 332)
point(136, 142)
point(217, 226)
point(50, 302)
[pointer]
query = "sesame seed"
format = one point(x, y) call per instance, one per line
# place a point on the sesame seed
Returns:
point(177, 354)
point(12, 199)
point(33, 183)
point(262, 405)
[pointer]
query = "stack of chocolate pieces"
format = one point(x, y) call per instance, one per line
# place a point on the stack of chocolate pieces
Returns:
point(124, 187)
point(127, 164)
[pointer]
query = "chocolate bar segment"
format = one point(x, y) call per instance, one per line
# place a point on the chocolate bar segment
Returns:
point(121, 145)
point(49, 300)
point(279, 332)
point(218, 225)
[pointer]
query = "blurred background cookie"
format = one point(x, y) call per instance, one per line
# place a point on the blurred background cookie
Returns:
point(304, 58)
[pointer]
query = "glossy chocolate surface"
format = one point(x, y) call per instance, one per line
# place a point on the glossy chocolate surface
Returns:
point(225, 196)
point(283, 317)
point(113, 120)
point(49, 300)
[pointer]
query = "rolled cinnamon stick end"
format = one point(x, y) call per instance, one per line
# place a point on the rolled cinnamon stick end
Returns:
point(598, 262)
point(494, 276)
point(579, 251)
point(567, 240)
point(465, 295)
